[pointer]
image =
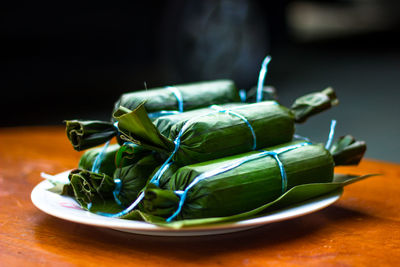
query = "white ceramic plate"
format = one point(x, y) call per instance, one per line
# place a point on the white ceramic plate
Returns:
point(67, 208)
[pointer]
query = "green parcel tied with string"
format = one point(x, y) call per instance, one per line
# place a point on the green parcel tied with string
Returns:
point(85, 134)
point(192, 96)
point(233, 188)
point(220, 132)
point(128, 164)
point(96, 191)
point(96, 163)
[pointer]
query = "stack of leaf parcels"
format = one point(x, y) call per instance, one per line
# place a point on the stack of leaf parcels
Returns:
point(195, 154)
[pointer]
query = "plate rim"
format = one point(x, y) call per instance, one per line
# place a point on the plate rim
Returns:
point(40, 191)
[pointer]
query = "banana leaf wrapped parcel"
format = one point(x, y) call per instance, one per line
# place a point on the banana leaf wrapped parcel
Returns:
point(123, 173)
point(92, 180)
point(240, 183)
point(221, 131)
point(91, 189)
point(85, 134)
point(181, 97)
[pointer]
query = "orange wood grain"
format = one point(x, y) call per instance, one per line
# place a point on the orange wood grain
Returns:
point(361, 229)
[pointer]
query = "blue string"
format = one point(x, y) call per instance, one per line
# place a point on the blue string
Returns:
point(233, 165)
point(117, 190)
point(331, 134)
point(161, 113)
point(117, 181)
point(297, 136)
point(242, 95)
point(96, 169)
point(261, 78)
point(116, 127)
point(125, 211)
point(99, 158)
point(178, 96)
point(229, 111)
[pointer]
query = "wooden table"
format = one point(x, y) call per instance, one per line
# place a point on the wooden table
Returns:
point(361, 229)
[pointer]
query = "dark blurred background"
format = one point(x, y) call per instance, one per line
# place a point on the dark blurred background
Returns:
point(66, 60)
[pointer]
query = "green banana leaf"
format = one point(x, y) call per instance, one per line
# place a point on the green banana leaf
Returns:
point(294, 196)
point(218, 133)
point(211, 136)
point(106, 161)
point(129, 153)
point(348, 151)
point(194, 95)
point(165, 123)
point(84, 134)
point(93, 190)
point(311, 104)
point(134, 177)
point(134, 168)
point(247, 185)
point(234, 184)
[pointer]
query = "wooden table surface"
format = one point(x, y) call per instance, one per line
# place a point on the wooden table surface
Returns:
point(361, 229)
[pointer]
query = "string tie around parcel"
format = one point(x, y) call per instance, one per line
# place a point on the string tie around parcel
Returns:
point(231, 112)
point(275, 154)
point(178, 97)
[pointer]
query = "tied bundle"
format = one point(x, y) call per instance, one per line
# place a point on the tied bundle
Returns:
point(240, 183)
point(181, 98)
point(220, 131)
point(84, 134)
point(126, 167)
